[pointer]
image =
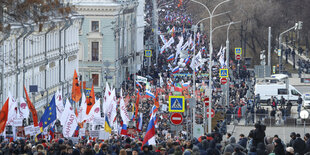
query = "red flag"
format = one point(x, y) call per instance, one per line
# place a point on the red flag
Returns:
point(32, 109)
point(4, 115)
point(90, 100)
point(76, 89)
point(239, 113)
point(84, 85)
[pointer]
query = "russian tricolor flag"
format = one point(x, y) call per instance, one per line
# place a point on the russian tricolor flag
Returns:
point(203, 49)
point(138, 85)
point(187, 60)
point(124, 129)
point(170, 58)
point(148, 93)
point(185, 85)
point(175, 70)
point(138, 92)
point(139, 123)
point(154, 109)
point(149, 138)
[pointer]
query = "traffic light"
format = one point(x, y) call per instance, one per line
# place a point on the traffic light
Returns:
point(300, 25)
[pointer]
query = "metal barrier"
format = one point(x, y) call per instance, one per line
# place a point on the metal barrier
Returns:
point(250, 119)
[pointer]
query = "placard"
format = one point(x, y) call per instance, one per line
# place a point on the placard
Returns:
point(18, 122)
point(75, 140)
point(36, 130)
point(98, 121)
point(164, 107)
point(29, 130)
point(141, 79)
point(94, 133)
point(82, 132)
point(104, 135)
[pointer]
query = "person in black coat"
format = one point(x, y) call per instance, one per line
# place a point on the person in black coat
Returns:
point(261, 149)
point(242, 141)
point(259, 134)
point(293, 138)
point(212, 150)
point(307, 140)
point(299, 145)
point(279, 148)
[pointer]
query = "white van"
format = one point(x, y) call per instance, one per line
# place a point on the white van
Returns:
point(266, 90)
point(306, 100)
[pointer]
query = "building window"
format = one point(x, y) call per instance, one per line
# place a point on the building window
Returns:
point(95, 26)
point(95, 51)
point(95, 78)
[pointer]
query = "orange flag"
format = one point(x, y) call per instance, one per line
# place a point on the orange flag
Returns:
point(90, 100)
point(137, 105)
point(4, 115)
point(156, 100)
point(32, 109)
point(185, 92)
point(76, 90)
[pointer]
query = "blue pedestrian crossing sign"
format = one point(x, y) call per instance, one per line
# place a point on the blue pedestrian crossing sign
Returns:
point(224, 73)
point(176, 103)
point(148, 53)
point(238, 51)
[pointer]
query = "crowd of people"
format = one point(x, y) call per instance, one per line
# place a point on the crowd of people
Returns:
point(255, 143)
point(175, 22)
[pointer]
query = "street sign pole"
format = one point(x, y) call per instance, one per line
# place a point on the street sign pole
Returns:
point(227, 63)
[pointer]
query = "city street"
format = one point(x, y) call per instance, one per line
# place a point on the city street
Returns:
point(154, 77)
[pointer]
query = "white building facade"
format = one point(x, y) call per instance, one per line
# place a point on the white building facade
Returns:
point(45, 58)
point(111, 40)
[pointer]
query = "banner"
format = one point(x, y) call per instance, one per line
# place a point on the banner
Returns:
point(141, 79)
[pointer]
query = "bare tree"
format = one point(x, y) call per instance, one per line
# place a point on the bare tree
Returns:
point(30, 11)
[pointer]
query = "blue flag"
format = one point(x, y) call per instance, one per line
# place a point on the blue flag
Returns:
point(49, 114)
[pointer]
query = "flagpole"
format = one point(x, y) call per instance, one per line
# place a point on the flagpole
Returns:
point(194, 27)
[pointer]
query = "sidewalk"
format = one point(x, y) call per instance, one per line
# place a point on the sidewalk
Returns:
point(282, 132)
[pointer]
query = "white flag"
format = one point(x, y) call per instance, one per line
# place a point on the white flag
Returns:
point(221, 59)
point(94, 112)
point(12, 114)
point(113, 105)
point(59, 104)
point(23, 109)
point(220, 51)
point(68, 120)
point(107, 93)
point(197, 61)
point(82, 109)
point(123, 110)
point(179, 45)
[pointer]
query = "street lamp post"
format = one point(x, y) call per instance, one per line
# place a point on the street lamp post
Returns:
point(280, 45)
point(227, 61)
point(211, 53)
point(304, 114)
